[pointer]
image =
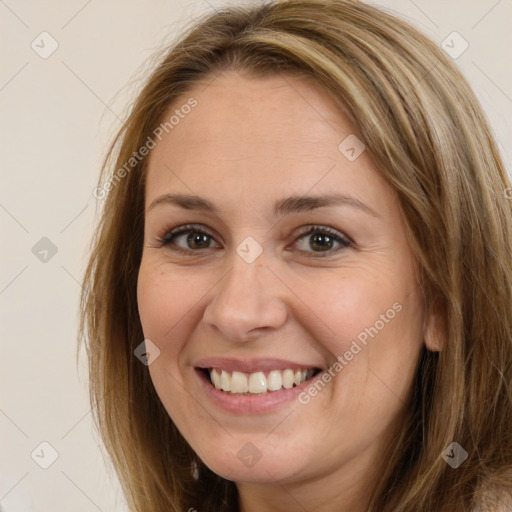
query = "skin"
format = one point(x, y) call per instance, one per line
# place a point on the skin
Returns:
point(248, 143)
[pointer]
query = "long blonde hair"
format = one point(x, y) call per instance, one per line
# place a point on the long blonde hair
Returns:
point(428, 137)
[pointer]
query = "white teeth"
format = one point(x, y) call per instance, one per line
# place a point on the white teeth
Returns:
point(214, 374)
point(288, 377)
point(274, 380)
point(225, 381)
point(240, 383)
point(257, 383)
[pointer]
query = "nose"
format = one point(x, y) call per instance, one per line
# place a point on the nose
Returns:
point(246, 302)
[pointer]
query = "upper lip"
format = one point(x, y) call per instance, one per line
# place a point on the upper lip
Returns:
point(252, 365)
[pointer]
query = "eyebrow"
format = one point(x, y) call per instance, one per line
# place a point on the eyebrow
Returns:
point(291, 204)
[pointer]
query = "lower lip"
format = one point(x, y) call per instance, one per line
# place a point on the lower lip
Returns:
point(246, 404)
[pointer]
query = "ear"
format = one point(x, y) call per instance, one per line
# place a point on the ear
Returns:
point(434, 332)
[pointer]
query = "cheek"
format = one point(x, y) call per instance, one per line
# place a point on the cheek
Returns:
point(353, 306)
point(162, 301)
point(374, 324)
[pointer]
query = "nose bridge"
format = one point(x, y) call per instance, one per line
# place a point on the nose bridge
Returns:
point(243, 280)
point(245, 299)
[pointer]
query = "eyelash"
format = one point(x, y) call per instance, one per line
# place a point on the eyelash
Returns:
point(169, 237)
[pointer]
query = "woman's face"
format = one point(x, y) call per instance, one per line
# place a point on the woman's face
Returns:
point(252, 294)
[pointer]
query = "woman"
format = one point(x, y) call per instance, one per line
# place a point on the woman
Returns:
point(299, 295)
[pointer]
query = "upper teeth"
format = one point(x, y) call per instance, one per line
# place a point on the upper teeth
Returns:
point(238, 382)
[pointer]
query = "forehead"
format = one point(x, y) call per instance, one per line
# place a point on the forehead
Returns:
point(256, 134)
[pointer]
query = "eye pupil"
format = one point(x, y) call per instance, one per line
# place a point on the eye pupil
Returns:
point(199, 239)
point(322, 240)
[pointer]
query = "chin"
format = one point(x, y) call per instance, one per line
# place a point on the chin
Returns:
point(265, 470)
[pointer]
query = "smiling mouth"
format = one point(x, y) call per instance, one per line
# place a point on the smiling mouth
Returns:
point(257, 383)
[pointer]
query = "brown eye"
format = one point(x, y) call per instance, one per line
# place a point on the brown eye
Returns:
point(195, 239)
point(323, 240)
point(315, 241)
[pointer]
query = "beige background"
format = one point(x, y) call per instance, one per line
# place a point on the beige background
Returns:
point(57, 116)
